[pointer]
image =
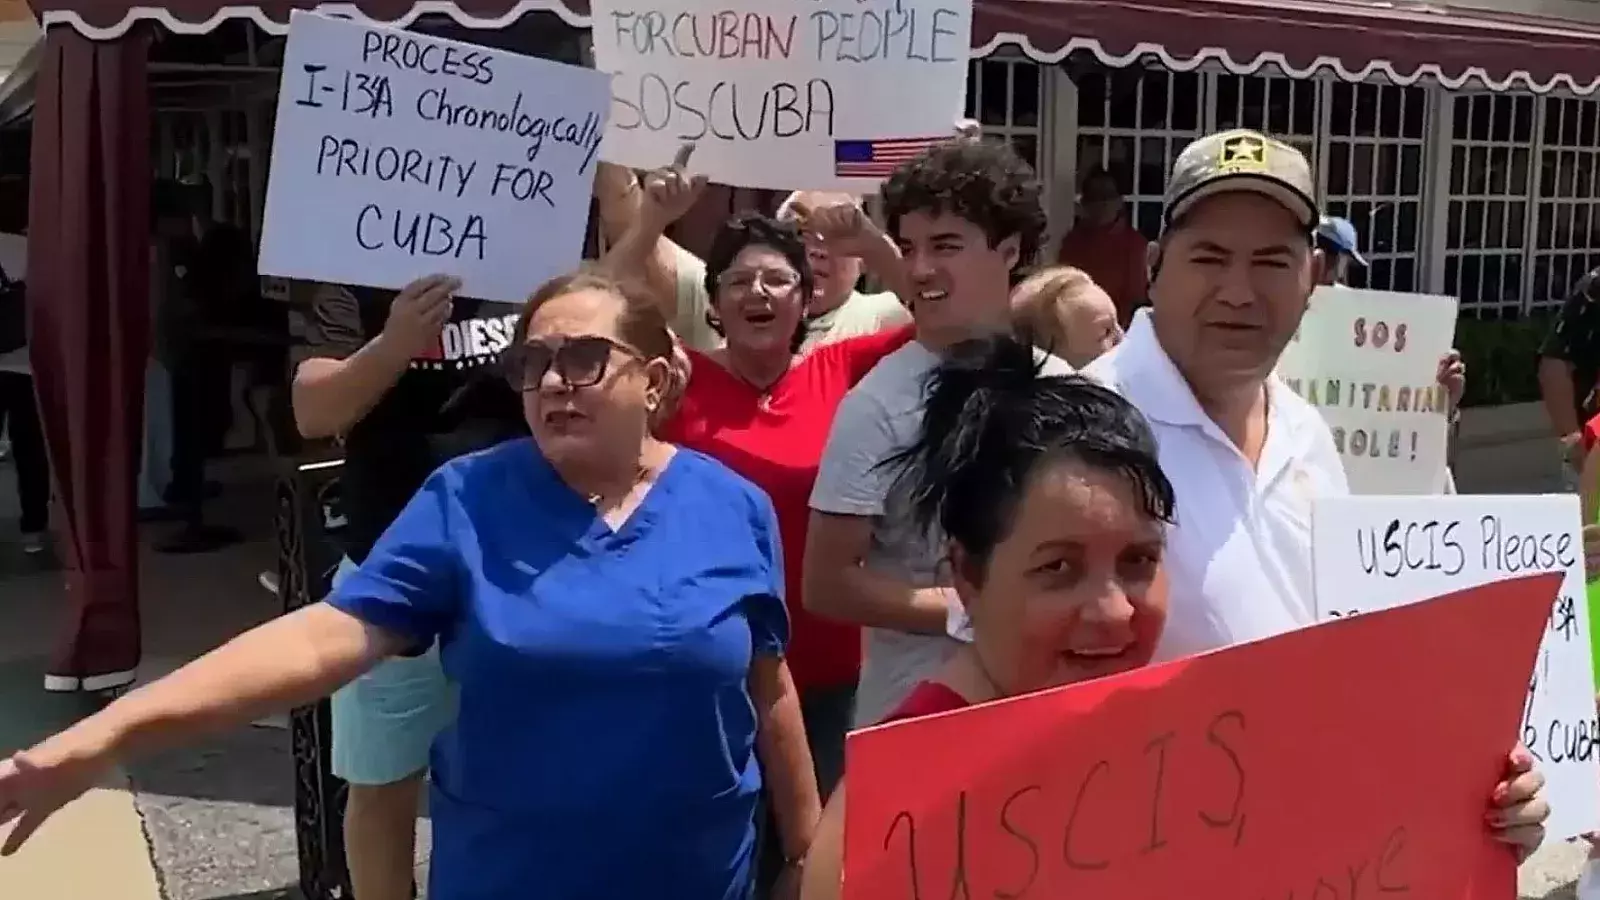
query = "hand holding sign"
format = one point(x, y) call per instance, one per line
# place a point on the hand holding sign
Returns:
point(842, 226)
point(671, 192)
point(1520, 809)
point(1208, 778)
point(418, 314)
point(385, 167)
point(1453, 377)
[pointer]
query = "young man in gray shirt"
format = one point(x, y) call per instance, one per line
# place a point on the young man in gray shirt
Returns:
point(967, 217)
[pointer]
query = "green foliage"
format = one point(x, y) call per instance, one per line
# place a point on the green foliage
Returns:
point(1502, 359)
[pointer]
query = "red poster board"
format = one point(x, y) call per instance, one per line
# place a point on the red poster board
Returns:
point(1348, 761)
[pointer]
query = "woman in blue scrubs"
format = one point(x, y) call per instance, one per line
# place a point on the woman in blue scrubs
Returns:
point(611, 608)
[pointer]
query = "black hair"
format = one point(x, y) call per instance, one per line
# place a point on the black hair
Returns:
point(754, 229)
point(1099, 173)
point(991, 420)
point(983, 182)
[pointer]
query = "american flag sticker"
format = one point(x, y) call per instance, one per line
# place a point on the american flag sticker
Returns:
point(878, 158)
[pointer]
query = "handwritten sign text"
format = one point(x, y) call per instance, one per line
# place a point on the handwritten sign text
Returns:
point(770, 89)
point(1242, 773)
point(397, 154)
point(1368, 360)
point(1375, 553)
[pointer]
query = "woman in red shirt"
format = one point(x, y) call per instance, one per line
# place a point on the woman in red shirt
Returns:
point(764, 411)
point(1055, 504)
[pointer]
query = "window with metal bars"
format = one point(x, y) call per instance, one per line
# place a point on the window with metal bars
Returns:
point(1486, 212)
point(1007, 96)
point(1134, 122)
point(1566, 225)
point(1374, 174)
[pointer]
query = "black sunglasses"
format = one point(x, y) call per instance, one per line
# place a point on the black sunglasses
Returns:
point(579, 361)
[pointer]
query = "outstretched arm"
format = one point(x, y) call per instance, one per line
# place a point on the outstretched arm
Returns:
point(284, 663)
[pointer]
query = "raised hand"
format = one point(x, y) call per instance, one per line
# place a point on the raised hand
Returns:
point(671, 192)
point(843, 227)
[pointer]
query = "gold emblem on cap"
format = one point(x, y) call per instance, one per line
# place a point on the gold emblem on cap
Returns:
point(1244, 153)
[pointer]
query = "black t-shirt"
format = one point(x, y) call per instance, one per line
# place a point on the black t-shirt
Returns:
point(1575, 338)
point(448, 402)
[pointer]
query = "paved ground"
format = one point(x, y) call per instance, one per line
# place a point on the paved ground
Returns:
point(216, 819)
point(220, 818)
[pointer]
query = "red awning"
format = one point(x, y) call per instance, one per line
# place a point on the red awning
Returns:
point(1402, 41)
point(110, 19)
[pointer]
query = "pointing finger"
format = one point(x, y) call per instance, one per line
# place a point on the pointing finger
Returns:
point(682, 158)
point(26, 826)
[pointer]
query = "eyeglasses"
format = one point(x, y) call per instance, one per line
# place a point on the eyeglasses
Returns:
point(579, 361)
point(773, 281)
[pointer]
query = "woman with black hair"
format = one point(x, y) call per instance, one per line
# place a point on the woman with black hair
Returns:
point(1056, 508)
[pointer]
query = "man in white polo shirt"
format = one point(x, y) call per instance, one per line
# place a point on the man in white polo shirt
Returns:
point(1229, 281)
point(1230, 278)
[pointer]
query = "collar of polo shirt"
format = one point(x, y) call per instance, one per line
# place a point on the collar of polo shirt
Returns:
point(1164, 396)
point(1239, 553)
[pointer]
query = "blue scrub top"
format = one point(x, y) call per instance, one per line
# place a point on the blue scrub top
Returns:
point(605, 746)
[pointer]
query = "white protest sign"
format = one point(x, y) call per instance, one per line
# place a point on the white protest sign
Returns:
point(782, 95)
point(1369, 360)
point(1372, 553)
point(397, 155)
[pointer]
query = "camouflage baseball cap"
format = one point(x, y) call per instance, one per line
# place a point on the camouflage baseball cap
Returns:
point(1241, 160)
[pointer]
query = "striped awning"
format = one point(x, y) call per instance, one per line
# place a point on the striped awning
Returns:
point(1404, 42)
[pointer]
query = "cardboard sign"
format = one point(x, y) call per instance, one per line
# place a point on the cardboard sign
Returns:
point(1270, 769)
point(1369, 361)
point(1374, 553)
point(824, 94)
point(397, 155)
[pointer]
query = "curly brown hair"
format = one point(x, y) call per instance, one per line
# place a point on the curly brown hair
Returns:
point(983, 182)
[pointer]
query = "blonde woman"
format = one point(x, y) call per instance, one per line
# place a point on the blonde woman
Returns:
point(1067, 313)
